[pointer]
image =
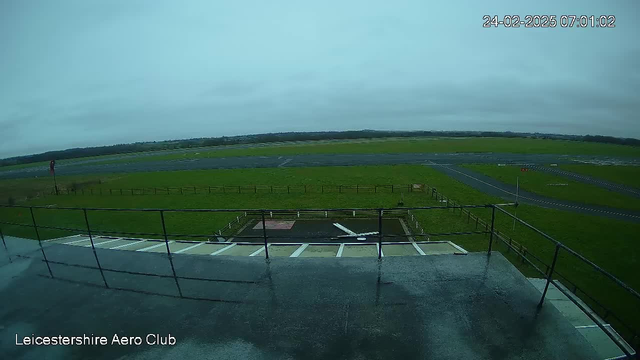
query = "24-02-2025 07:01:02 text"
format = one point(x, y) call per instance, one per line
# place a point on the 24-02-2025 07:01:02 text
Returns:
point(550, 21)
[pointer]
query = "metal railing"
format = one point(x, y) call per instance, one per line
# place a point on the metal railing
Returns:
point(247, 189)
point(378, 213)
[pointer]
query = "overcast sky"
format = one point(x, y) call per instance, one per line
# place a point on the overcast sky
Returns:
point(87, 73)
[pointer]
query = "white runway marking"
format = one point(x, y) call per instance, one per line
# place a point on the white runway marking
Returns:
point(103, 242)
point(257, 252)
point(153, 246)
point(418, 248)
point(125, 245)
point(340, 250)
point(188, 248)
point(299, 250)
point(223, 249)
point(76, 241)
point(285, 162)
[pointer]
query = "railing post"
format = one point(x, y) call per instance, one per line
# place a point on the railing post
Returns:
point(93, 247)
point(35, 227)
point(5, 245)
point(493, 219)
point(550, 276)
point(166, 242)
point(379, 234)
point(264, 234)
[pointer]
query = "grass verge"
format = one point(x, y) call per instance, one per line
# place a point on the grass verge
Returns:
point(557, 186)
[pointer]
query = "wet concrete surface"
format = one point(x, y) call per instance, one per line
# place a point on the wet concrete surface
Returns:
point(420, 307)
point(245, 162)
point(491, 186)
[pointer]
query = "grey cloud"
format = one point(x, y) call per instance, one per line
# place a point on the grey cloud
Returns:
point(77, 73)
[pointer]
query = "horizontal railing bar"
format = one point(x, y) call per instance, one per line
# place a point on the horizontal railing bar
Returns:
point(574, 253)
point(593, 318)
point(247, 210)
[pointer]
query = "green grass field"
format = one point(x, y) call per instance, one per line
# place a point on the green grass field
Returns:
point(542, 183)
point(376, 146)
point(607, 242)
point(624, 175)
point(446, 145)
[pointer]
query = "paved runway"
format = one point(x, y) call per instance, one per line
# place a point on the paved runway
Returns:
point(245, 162)
point(493, 187)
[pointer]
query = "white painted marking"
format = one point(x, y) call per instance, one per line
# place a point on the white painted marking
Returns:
point(418, 248)
point(125, 245)
point(154, 246)
point(462, 251)
point(76, 241)
point(64, 237)
point(188, 248)
point(380, 250)
point(299, 250)
point(344, 229)
point(257, 252)
point(285, 162)
point(591, 326)
point(340, 250)
point(223, 249)
point(103, 242)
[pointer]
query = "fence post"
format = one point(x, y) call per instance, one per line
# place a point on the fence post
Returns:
point(194, 190)
point(93, 247)
point(553, 265)
point(5, 245)
point(272, 189)
point(35, 227)
point(288, 190)
point(166, 242)
point(264, 234)
point(238, 189)
point(322, 188)
point(181, 191)
point(357, 188)
point(468, 216)
point(379, 234)
point(340, 188)
point(209, 189)
point(493, 219)
point(391, 187)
